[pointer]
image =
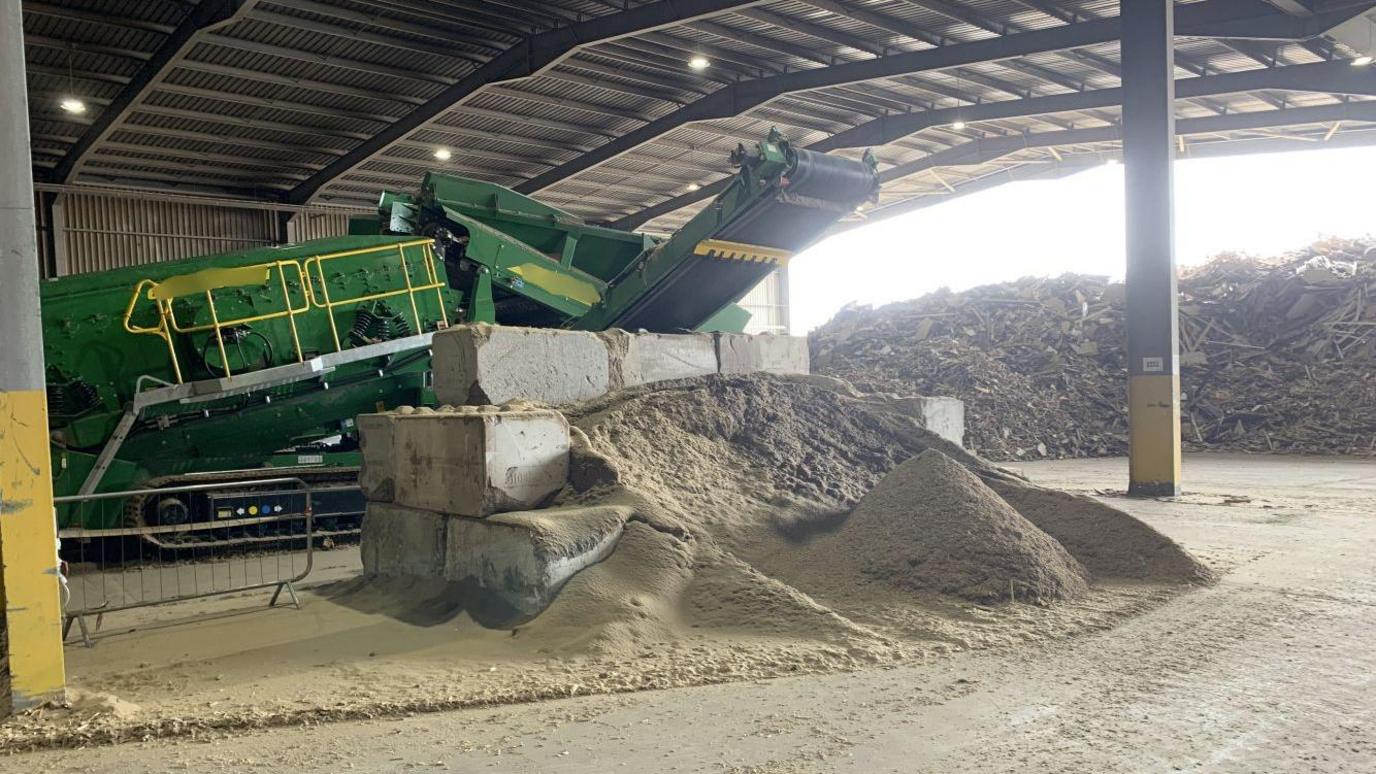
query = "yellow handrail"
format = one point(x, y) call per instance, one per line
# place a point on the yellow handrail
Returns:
point(167, 315)
point(411, 289)
point(208, 280)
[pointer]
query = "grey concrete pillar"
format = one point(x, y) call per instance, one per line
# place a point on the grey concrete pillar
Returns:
point(28, 529)
point(1149, 152)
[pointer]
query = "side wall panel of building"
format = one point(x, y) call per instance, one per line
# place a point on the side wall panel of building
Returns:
point(305, 226)
point(102, 232)
point(767, 304)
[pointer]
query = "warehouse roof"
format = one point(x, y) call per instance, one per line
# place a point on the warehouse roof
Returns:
point(624, 111)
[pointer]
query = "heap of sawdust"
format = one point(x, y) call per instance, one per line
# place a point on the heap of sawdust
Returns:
point(767, 506)
point(932, 525)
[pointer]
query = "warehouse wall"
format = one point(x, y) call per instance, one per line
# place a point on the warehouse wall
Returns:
point(82, 231)
point(768, 305)
point(316, 225)
point(94, 232)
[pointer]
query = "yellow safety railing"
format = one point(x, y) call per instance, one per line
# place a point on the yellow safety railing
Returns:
point(206, 281)
point(163, 293)
point(431, 282)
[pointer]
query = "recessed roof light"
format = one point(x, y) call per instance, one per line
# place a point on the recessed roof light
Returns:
point(73, 105)
point(443, 154)
point(1363, 61)
point(694, 187)
point(699, 62)
point(958, 125)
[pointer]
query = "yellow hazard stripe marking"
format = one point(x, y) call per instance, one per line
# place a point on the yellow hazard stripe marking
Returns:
point(739, 251)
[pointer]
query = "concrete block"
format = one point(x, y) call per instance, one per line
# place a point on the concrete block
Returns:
point(517, 562)
point(739, 353)
point(375, 441)
point(397, 541)
point(476, 364)
point(479, 462)
point(662, 357)
point(943, 416)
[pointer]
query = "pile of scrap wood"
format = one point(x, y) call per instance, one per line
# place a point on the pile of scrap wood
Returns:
point(1276, 355)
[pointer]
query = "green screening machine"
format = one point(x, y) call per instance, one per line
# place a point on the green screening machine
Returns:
point(254, 363)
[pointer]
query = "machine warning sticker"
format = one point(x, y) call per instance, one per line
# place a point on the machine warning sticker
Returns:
point(1153, 365)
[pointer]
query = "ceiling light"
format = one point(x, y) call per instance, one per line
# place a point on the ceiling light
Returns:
point(699, 62)
point(694, 187)
point(1363, 61)
point(73, 105)
point(443, 154)
point(1111, 162)
point(958, 125)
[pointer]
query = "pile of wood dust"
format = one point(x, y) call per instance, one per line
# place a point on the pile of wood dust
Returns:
point(932, 525)
point(774, 506)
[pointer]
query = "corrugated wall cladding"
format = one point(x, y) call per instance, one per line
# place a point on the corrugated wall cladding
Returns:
point(767, 304)
point(99, 232)
point(305, 226)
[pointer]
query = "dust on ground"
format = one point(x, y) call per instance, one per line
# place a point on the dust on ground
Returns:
point(781, 526)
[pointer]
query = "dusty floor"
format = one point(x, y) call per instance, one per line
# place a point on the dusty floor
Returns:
point(1270, 670)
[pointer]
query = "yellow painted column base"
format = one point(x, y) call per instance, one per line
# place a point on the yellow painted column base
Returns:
point(30, 591)
point(1154, 436)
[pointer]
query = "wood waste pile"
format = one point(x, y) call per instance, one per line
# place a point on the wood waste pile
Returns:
point(1277, 355)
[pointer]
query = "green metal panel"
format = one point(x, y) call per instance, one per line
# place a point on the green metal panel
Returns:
point(731, 319)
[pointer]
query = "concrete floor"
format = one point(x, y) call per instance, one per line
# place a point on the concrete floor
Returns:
point(1270, 670)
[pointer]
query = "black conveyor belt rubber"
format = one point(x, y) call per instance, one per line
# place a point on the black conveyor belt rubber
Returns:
point(820, 190)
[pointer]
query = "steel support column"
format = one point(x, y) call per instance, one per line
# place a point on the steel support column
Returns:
point(1149, 152)
point(32, 607)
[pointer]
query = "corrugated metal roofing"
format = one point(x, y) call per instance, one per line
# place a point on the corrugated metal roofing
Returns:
point(286, 87)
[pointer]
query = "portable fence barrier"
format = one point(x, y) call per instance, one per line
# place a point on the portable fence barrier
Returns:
point(213, 539)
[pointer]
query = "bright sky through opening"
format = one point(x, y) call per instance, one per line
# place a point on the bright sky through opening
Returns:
point(1264, 205)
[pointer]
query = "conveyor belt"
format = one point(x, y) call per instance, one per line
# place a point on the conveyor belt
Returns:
point(818, 190)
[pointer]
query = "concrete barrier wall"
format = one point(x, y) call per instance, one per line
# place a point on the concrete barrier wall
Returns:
point(738, 353)
point(659, 357)
point(492, 364)
point(476, 364)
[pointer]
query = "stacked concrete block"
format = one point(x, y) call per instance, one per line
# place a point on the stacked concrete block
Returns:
point(375, 441)
point(476, 364)
point(943, 416)
point(645, 358)
point(480, 462)
point(522, 559)
point(738, 353)
point(422, 467)
point(454, 495)
point(397, 541)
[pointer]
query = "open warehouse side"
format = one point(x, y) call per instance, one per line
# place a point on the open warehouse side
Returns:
point(427, 365)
